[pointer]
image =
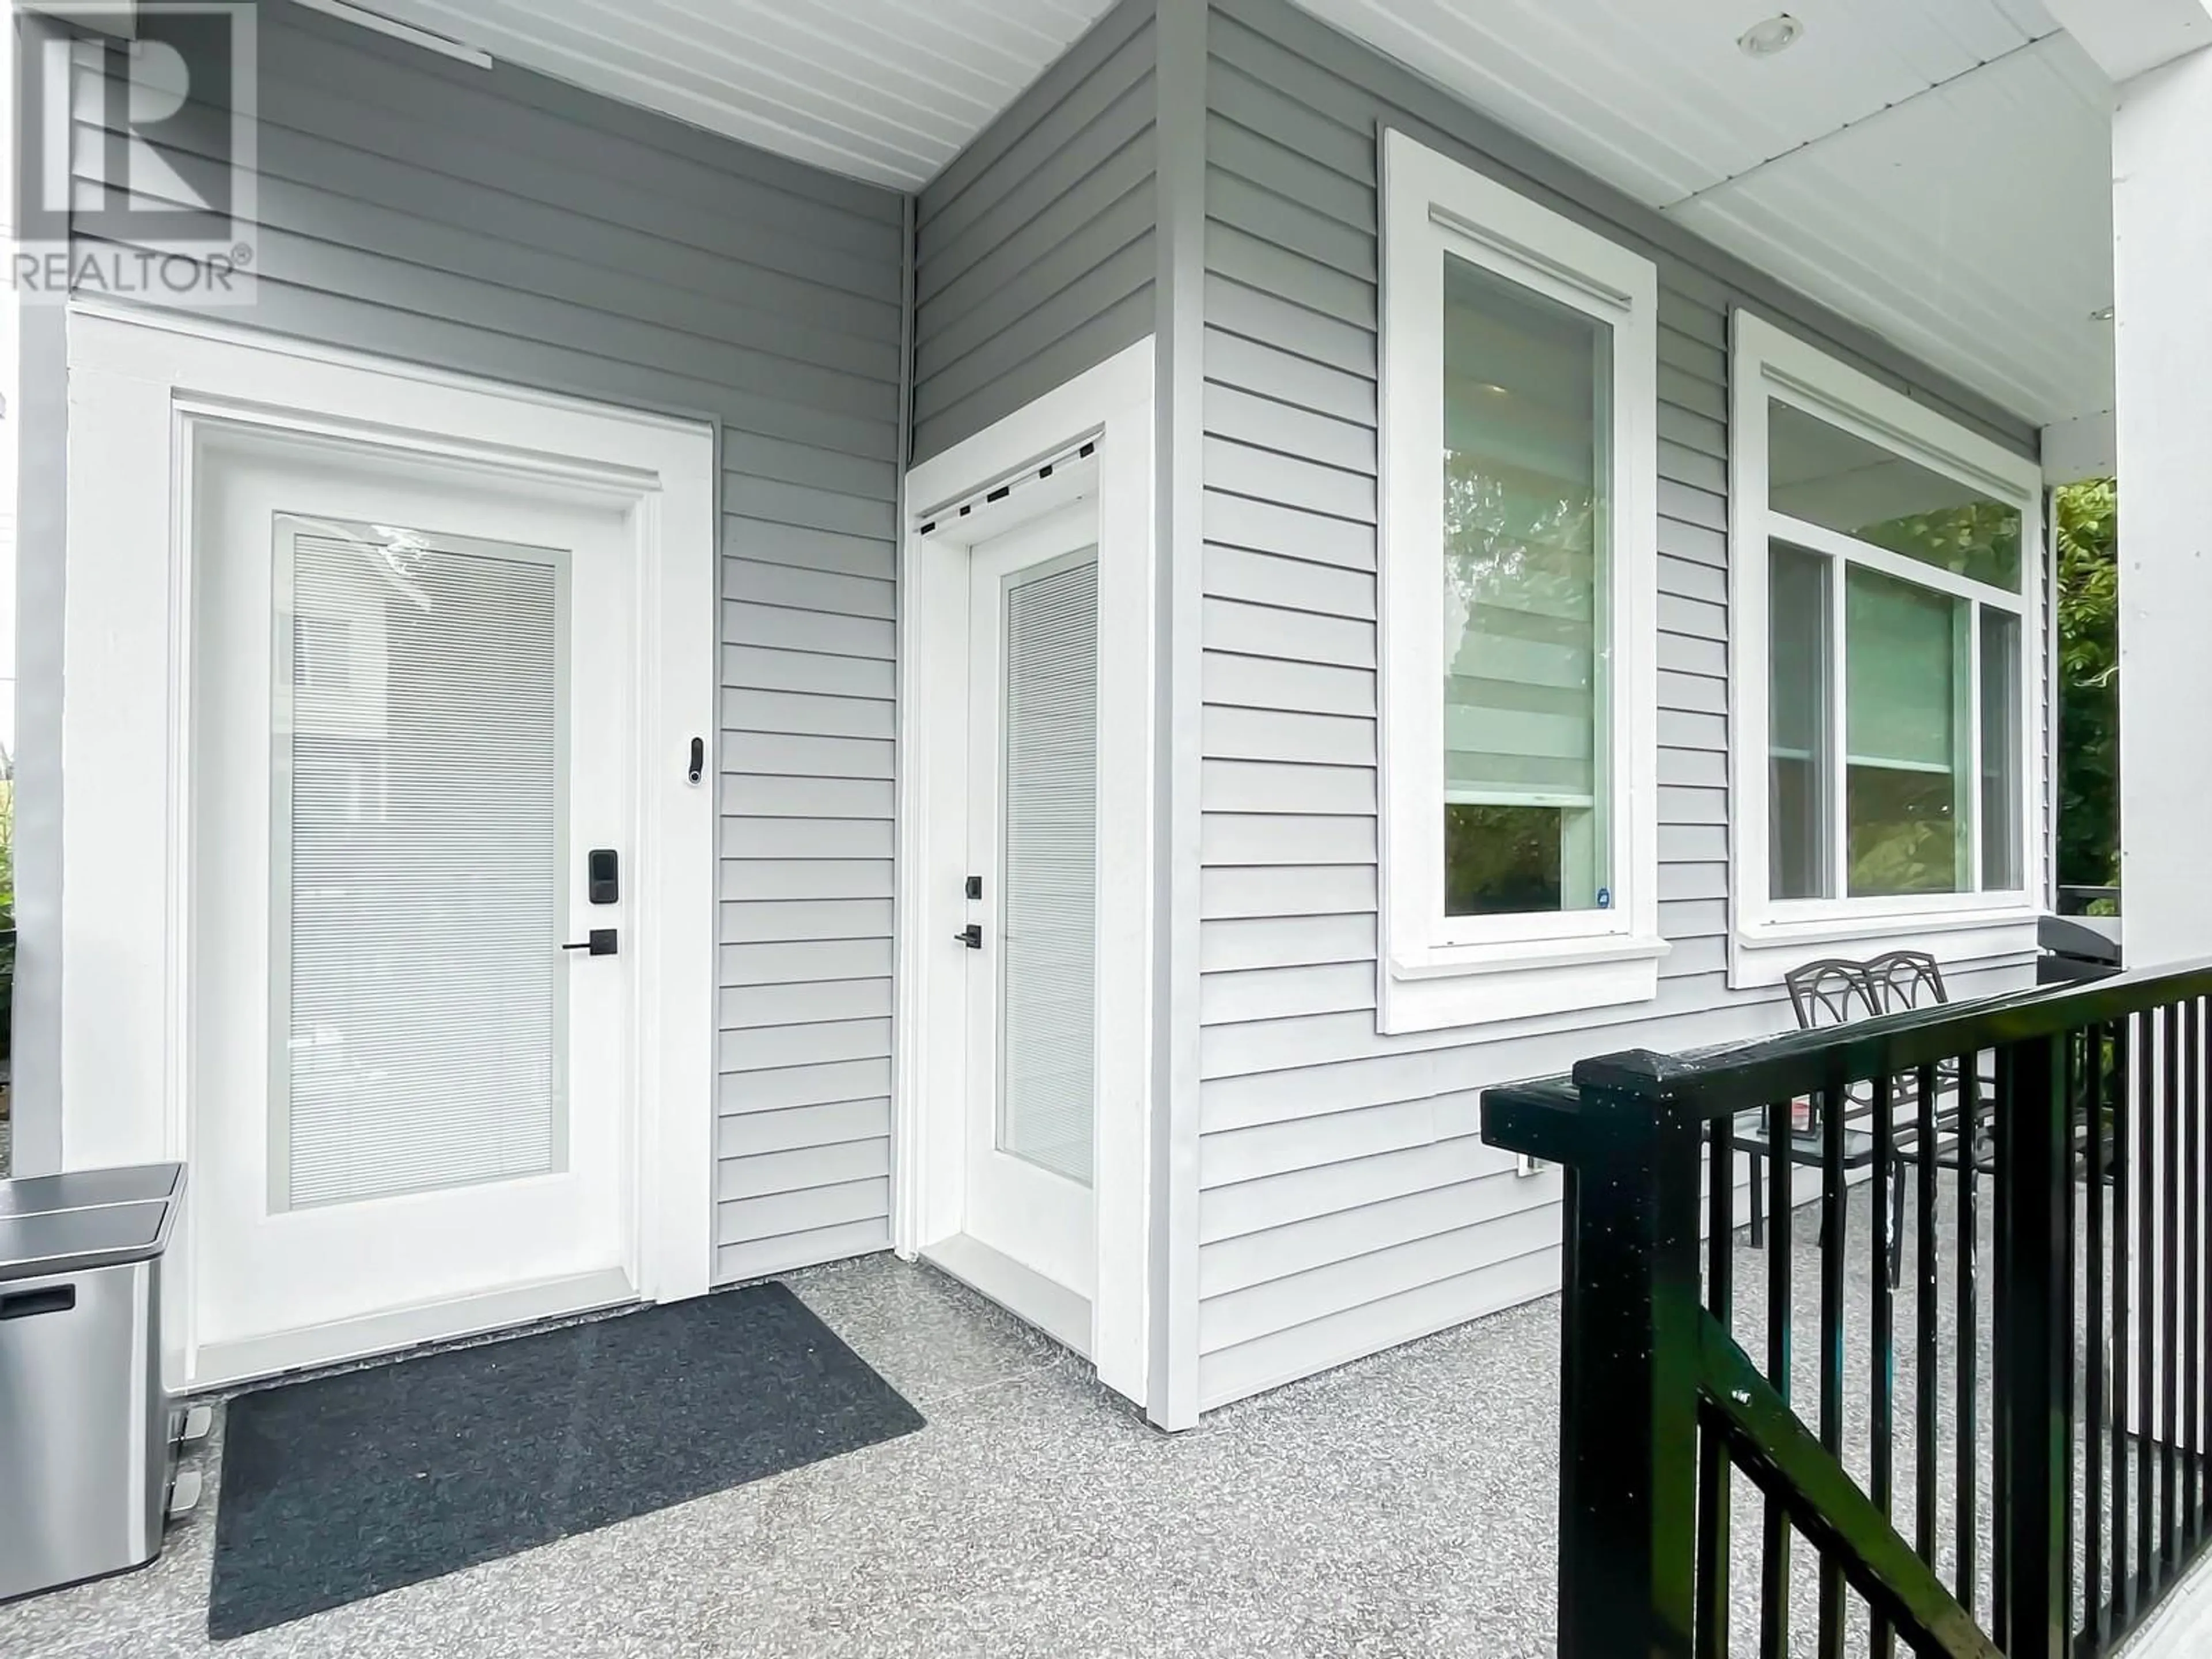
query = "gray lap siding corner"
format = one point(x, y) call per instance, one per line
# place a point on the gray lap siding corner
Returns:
point(1035, 248)
point(501, 224)
point(1346, 1201)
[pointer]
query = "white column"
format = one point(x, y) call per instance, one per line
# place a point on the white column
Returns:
point(2155, 52)
point(2162, 271)
point(2162, 253)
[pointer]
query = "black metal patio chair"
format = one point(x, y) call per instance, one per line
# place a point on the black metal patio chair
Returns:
point(1833, 991)
point(1914, 979)
point(1837, 990)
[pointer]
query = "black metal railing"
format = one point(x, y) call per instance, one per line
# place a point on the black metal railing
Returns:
point(2005, 1460)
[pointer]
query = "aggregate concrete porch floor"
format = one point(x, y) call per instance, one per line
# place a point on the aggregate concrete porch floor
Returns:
point(1401, 1506)
point(1404, 1506)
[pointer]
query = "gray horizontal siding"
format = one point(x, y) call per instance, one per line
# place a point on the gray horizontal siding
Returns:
point(506, 225)
point(805, 885)
point(1346, 1201)
point(1034, 255)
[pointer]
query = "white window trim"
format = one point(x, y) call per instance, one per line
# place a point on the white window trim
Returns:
point(1770, 937)
point(1438, 973)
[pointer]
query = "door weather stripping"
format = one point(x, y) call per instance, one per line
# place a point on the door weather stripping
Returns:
point(1082, 451)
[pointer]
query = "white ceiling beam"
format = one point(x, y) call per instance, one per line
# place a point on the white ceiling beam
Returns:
point(2127, 37)
point(2087, 447)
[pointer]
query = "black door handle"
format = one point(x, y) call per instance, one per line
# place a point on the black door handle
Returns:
point(971, 936)
point(599, 942)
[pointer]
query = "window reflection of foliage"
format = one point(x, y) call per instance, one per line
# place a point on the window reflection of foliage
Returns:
point(2086, 522)
point(1903, 835)
point(1504, 537)
point(1517, 543)
point(1979, 540)
point(1501, 861)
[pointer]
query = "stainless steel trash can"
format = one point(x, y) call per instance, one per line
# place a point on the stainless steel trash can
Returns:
point(84, 1426)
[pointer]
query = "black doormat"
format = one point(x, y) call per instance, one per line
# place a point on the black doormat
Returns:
point(345, 1486)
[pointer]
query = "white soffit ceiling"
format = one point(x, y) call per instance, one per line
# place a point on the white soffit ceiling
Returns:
point(1973, 227)
point(1935, 170)
point(885, 90)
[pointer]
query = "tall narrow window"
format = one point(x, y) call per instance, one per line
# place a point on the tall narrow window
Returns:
point(1048, 862)
point(1525, 559)
point(2001, 691)
point(1798, 723)
point(1888, 557)
point(1518, 605)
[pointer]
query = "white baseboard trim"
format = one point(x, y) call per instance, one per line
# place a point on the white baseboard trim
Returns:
point(249, 1359)
point(1054, 1309)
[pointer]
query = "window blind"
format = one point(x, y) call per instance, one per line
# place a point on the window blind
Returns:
point(420, 821)
point(1049, 868)
point(1525, 387)
point(1903, 646)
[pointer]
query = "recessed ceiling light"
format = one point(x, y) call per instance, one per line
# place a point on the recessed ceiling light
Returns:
point(1777, 33)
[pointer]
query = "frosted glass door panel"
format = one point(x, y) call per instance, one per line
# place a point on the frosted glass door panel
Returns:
point(1050, 867)
point(420, 773)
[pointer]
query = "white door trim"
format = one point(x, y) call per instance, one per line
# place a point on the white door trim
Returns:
point(139, 384)
point(1109, 405)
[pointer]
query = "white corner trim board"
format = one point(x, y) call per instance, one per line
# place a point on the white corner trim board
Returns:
point(141, 386)
point(1438, 970)
point(1770, 937)
point(982, 488)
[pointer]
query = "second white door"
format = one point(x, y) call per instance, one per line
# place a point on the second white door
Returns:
point(1032, 1069)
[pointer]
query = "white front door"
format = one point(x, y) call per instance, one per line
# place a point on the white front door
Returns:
point(415, 710)
point(1033, 861)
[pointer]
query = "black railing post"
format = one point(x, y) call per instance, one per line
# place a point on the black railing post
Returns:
point(1628, 1475)
point(2036, 1291)
point(1652, 1375)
